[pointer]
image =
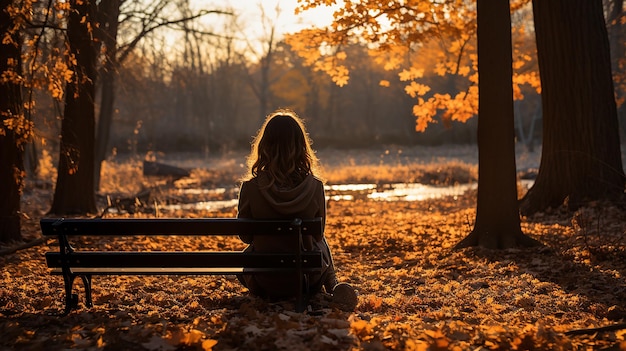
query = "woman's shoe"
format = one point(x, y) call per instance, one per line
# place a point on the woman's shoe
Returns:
point(345, 297)
point(330, 281)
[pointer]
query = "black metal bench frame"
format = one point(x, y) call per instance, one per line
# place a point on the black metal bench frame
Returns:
point(71, 263)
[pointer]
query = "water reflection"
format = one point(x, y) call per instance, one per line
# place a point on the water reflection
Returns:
point(202, 205)
point(418, 192)
point(196, 191)
point(223, 198)
point(350, 187)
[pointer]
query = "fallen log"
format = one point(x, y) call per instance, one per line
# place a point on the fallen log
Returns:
point(23, 246)
point(151, 168)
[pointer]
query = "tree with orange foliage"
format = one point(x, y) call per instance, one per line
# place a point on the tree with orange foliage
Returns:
point(399, 33)
point(75, 192)
point(14, 130)
point(397, 30)
point(497, 215)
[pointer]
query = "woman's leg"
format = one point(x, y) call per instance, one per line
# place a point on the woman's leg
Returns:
point(329, 278)
point(248, 280)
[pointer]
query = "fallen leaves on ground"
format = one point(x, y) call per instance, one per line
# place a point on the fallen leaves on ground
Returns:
point(415, 292)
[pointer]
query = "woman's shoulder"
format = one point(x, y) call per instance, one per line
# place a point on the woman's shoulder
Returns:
point(249, 180)
point(315, 180)
point(250, 183)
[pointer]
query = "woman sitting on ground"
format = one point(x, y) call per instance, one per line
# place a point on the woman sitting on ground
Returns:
point(283, 183)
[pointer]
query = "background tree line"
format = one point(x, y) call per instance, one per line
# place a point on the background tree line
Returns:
point(101, 75)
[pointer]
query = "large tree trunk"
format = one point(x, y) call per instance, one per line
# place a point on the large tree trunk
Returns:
point(497, 217)
point(581, 157)
point(109, 22)
point(11, 146)
point(74, 192)
point(617, 26)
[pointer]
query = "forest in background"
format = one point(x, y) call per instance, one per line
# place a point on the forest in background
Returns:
point(209, 89)
point(210, 93)
point(109, 63)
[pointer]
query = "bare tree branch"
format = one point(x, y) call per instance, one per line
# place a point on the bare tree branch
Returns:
point(149, 26)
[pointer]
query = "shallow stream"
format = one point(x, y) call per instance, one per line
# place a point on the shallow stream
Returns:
point(223, 198)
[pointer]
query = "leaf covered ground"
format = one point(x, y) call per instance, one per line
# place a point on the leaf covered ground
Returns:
point(415, 291)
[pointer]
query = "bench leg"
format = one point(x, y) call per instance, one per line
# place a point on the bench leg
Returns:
point(71, 299)
point(303, 293)
point(87, 283)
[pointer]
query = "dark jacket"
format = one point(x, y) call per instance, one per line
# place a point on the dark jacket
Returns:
point(258, 201)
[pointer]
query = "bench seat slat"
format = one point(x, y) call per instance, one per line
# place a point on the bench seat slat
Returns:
point(180, 259)
point(177, 271)
point(174, 226)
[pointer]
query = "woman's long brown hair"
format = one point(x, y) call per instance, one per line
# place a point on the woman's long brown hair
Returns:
point(282, 149)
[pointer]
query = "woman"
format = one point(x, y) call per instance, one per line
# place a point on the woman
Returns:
point(283, 183)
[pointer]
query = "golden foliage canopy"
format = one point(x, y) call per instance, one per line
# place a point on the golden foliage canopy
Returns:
point(420, 40)
point(42, 66)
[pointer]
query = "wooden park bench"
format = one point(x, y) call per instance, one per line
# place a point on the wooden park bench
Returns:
point(71, 262)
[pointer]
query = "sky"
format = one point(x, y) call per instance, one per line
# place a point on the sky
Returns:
point(250, 33)
point(249, 14)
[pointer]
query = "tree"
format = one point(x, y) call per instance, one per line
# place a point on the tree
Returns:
point(147, 18)
point(229, 78)
point(265, 58)
point(45, 74)
point(74, 192)
point(497, 216)
point(581, 157)
point(14, 130)
point(616, 21)
point(108, 19)
point(409, 27)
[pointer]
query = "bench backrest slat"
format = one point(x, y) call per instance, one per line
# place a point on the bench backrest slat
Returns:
point(187, 259)
point(174, 226)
